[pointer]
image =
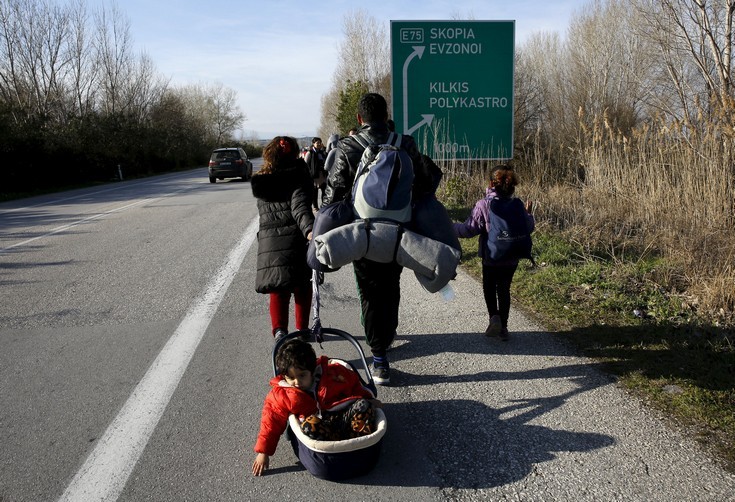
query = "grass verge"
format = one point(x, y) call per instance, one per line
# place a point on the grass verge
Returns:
point(655, 343)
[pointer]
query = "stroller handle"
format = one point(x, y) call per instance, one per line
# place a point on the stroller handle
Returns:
point(369, 384)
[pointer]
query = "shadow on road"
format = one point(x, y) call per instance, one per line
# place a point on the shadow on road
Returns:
point(466, 444)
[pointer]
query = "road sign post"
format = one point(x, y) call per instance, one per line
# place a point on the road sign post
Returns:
point(453, 86)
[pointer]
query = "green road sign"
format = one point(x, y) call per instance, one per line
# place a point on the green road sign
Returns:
point(453, 86)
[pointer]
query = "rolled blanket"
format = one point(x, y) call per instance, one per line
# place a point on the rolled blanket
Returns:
point(434, 263)
point(342, 245)
point(383, 241)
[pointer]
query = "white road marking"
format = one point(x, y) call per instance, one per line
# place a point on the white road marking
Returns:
point(105, 472)
point(88, 218)
point(75, 223)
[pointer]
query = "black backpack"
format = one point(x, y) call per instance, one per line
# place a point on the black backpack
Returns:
point(509, 237)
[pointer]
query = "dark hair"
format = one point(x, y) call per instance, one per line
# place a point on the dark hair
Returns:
point(282, 150)
point(315, 139)
point(391, 125)
point(295, 354)
point(503, 179)
point(372, 107)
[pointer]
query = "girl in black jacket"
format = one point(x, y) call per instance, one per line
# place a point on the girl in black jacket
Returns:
point(284, 188)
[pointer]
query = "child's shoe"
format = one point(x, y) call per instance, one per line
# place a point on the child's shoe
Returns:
point(279, 334)
point(495, 327)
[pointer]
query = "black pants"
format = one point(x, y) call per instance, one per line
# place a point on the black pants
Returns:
point(315, 197)
point(496, 288)
point(379, 289)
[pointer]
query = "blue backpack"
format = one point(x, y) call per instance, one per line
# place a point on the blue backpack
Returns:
point(383, 181)
point(509, 237)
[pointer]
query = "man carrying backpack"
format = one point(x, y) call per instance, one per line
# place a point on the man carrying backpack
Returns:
point(378, 284)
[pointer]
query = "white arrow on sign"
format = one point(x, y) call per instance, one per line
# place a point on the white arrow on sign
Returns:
point(418, 50)
point(425, 120)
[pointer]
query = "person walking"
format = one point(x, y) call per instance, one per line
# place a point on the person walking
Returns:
point(284, 189)
point(497, 275)
point(378, 284)
point(315, 158)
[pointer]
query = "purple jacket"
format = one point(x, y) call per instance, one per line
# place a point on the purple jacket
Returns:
point(479, 224)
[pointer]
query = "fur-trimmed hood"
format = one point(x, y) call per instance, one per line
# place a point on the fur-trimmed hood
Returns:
point(278, 185)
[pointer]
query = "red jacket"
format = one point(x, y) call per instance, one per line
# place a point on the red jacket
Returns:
point(336, 385)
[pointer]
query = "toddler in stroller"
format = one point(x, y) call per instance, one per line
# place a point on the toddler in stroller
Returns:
point(323, 400)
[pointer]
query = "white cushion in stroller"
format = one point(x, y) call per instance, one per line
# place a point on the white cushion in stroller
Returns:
point(344, 445)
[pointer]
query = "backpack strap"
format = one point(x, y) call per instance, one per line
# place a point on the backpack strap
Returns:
point(364, 140)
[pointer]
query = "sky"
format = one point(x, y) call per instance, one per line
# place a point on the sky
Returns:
point(279, 55)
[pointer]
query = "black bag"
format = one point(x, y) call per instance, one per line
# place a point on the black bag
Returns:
point(327, 218)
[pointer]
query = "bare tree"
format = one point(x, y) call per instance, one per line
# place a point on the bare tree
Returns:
point(694, 39)
point(143, 88)
point(113, 45)
point(607, 66)
point(542, 91)
point(328, 122)
point(33, 59)
point(82, 75)
point(215, 108)
point(364, 56)
point(12, 85)
point(226, 113)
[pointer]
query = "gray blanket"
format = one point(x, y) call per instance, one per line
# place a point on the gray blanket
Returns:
point(434, 263)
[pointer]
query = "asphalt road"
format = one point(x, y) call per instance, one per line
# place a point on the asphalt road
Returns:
point(135, 356)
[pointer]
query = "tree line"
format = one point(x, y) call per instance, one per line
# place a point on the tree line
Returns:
point(77, 102)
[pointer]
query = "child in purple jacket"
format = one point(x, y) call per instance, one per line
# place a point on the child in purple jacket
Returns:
point(496, 275)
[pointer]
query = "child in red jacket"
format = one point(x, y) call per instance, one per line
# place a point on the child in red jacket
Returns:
point(308, 387)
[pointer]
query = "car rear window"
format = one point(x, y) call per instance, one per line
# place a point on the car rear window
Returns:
point(225, 155)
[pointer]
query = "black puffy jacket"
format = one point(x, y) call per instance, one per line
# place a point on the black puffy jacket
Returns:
point(341, 165)
point(284, 205)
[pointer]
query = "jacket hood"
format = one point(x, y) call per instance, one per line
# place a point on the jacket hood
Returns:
point(278, 185)
point(332, 141)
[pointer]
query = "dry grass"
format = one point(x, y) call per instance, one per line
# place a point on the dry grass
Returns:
point(662, 191)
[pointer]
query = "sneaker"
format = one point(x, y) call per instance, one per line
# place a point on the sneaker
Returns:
point(495, 327)
point(504, 334)
point(279, 334)
point(381, 374)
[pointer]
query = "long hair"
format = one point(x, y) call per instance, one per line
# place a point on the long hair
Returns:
point(281, 151)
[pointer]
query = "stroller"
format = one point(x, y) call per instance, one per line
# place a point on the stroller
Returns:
point(335, 460)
